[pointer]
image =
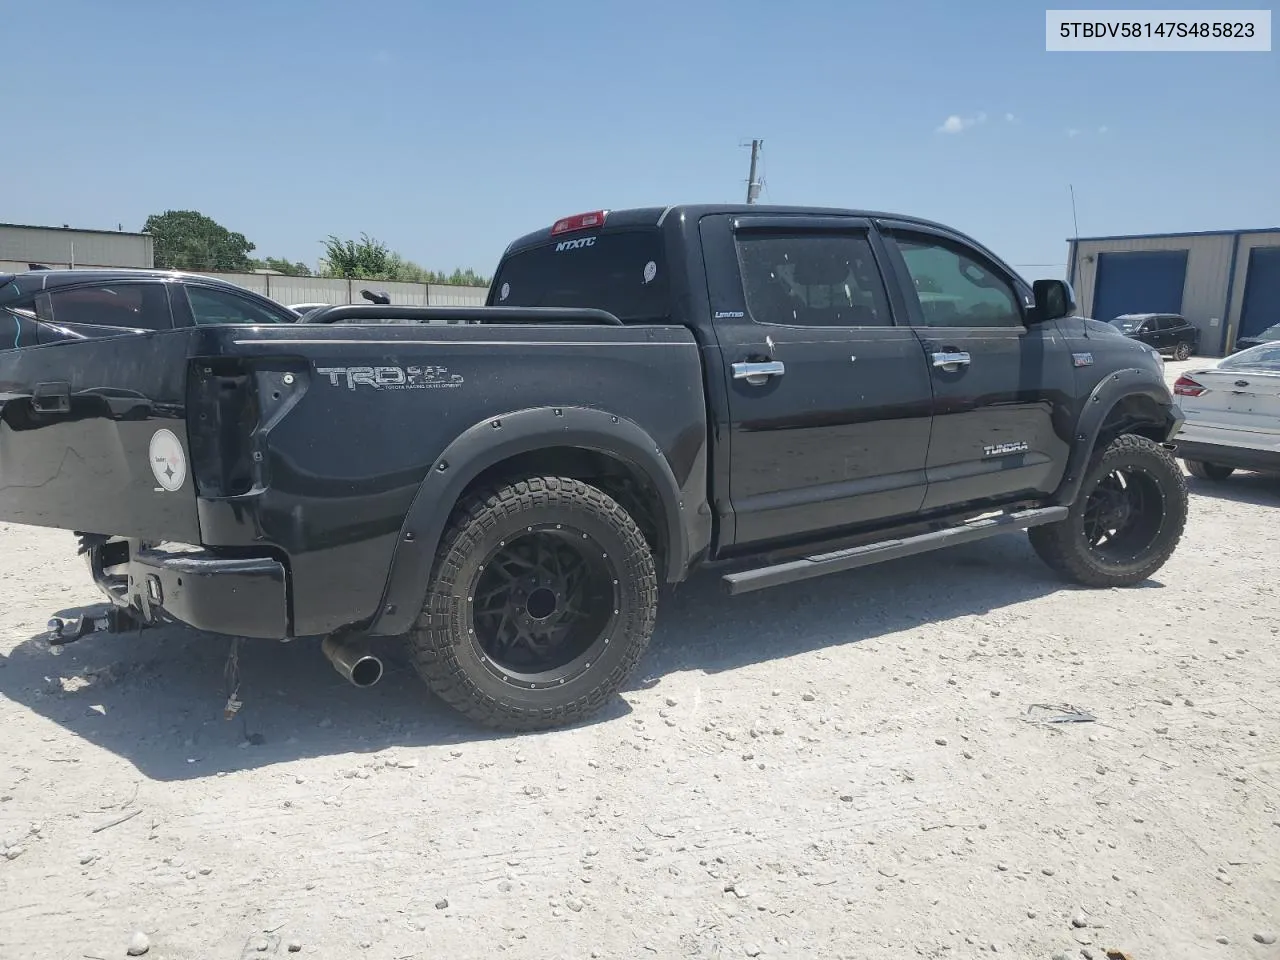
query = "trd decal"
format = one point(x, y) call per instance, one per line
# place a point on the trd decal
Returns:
point(392, 378)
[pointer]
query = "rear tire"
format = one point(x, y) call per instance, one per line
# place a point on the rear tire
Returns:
point(1182, 351)
point(1208, 471)
point(1126, 520)
point(543, 598)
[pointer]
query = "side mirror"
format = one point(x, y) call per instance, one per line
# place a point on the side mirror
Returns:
point(1054, 299)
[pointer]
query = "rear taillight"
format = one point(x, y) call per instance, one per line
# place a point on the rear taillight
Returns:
point(581, 221)
point(1184, 386)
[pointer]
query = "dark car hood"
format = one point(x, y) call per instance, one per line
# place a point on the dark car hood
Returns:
point(1098, 328)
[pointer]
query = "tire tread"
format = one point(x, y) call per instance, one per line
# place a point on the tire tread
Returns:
point(432, 638)
point(1062, 549)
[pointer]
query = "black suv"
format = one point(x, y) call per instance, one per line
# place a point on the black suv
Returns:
point(1169, 333)
point(46, 306)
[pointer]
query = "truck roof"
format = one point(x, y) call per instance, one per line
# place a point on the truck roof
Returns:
point(656, 216)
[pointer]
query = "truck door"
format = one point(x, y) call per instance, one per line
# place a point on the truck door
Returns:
point(1001, 388)
point(93, 436)
point(828, 399)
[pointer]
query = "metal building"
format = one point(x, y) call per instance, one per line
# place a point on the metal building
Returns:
point(1226, 282)
point(63, 247)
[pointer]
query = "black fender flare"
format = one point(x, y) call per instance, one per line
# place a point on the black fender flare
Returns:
point(499, 438)
point(1111, 391)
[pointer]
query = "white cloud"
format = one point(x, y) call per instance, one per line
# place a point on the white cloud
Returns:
point(1010, 118)
point(958, 124)
point(1102, 129)
point(1073, 133)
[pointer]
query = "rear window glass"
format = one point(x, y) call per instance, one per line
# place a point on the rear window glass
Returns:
point(623, 273)
point(1264, 357)
point(137, 306)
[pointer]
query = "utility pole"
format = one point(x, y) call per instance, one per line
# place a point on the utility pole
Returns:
point(753, 184)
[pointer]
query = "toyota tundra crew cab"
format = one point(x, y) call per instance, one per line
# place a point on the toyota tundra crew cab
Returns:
point(779, 392)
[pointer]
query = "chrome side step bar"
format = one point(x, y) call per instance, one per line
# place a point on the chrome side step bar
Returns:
point(864, 556)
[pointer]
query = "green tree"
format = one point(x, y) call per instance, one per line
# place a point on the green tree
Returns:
point(188, 240)
point(370, 259)
point(363, 259)
point(281, 265)
point(460, 277)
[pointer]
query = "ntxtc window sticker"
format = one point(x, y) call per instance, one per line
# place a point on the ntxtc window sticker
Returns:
point(392, 378)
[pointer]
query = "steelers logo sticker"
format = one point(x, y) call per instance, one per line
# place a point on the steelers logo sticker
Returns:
point(168, 461)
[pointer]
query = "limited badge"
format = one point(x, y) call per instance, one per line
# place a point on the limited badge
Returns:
point(168, 461)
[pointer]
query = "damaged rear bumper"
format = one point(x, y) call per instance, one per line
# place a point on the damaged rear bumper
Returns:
point(236, 596)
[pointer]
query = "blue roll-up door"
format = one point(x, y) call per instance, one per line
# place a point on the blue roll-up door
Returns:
point(1146, 282)
point(1261, 306)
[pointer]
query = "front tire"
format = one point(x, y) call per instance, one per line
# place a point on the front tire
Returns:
point(543, 598)
point(1208, 471)
point(1182, 351)
point(1126, 520)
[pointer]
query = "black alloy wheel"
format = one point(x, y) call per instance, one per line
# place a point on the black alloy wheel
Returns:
point(1123, 513)
point(1126, 520)
point(543, 604)
point(542, 600)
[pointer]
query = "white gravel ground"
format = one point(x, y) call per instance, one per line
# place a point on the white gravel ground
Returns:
point(842, 768)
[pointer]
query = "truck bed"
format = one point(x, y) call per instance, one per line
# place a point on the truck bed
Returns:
point(310, 442)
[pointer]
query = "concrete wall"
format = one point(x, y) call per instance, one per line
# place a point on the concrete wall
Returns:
point(1204, 292)
point(291, 290)
point(55, 247)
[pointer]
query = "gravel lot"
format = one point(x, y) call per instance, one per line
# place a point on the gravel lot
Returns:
point(842, 768)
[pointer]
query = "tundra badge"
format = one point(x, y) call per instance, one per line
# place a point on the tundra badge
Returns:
point(1002, 449)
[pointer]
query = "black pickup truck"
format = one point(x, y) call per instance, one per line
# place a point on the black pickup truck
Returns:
point(786, 392)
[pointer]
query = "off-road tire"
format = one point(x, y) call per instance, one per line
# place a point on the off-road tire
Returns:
point(443, 644)
point(1182, 351)
point(1208, 471)
point(1064, 545)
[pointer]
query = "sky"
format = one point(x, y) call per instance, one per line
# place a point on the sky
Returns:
point(446, 129)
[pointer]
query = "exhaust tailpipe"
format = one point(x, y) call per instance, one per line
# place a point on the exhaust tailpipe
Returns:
point(353, 661)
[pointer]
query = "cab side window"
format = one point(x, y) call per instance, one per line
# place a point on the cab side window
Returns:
point(953, 287)
point(135, 306)
point(218, 306)
point(812, 280)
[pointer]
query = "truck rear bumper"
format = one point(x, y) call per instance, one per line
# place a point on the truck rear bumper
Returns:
point(240, 596)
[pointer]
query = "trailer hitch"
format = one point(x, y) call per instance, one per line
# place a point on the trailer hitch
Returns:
point(70, 629)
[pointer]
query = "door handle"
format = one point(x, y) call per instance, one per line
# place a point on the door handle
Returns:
point(951, 360)
point(760, 372)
